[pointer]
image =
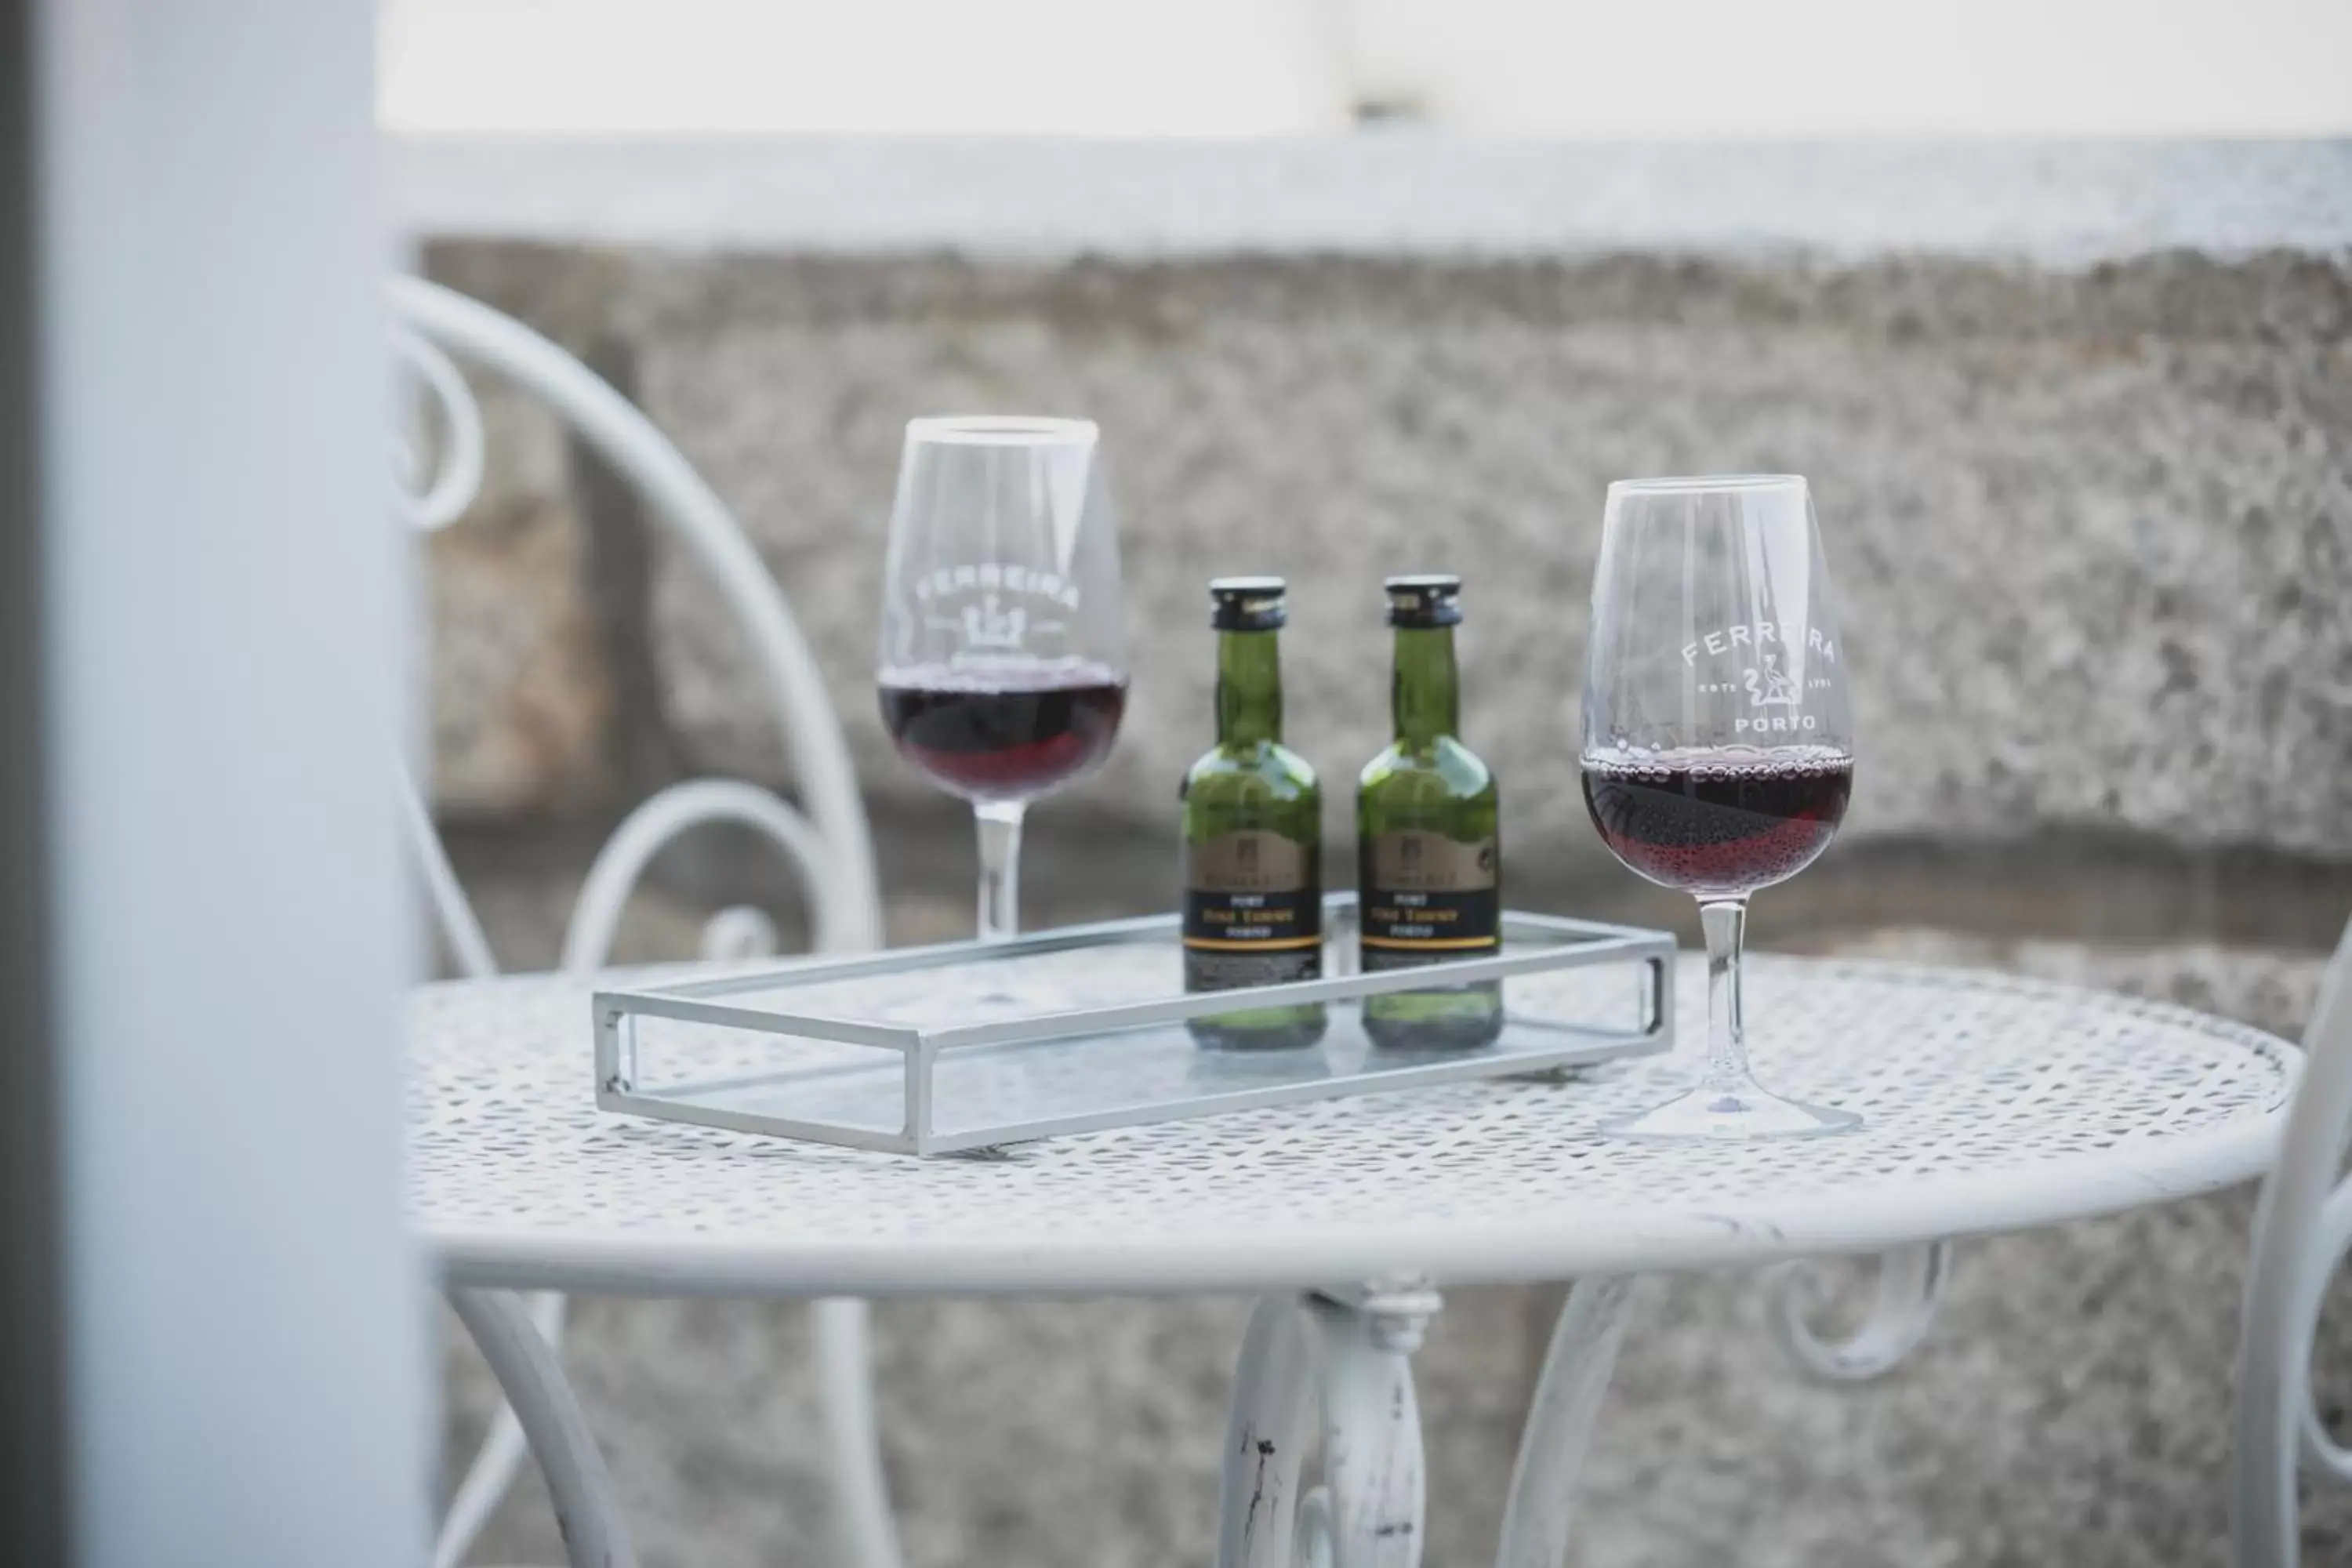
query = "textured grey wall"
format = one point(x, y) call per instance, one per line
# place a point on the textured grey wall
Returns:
point(2092, 530)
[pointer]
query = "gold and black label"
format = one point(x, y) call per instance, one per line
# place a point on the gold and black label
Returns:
point(1427, 898)
point(1252, 912)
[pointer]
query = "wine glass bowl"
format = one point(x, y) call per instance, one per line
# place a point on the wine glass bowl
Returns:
point(995, 732)
point(1718, 823)
point(1717, 749)
point(1002, 668)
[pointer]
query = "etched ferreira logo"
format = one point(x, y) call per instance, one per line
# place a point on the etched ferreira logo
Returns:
point(1758, 635)
point(994, 608)
point(1767, 684)
point(988, 625)
point(1772, 688)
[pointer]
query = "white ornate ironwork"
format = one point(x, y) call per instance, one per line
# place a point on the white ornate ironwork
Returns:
point(829, 848)
point(678, 810)
point(1992, 1103)
point(682, 502)
point(2301, 1231)
point(452, 911)
point(1542, 1504)
point(2331, 1247)
point(738, 932)
point(587, 1510)
point(1259, 1513)
point(1374, 1480)
point(436, 498)
point(1352, 1356)
point(1908, 1287)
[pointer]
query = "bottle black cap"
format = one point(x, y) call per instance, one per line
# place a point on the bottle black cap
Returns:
point(1425, 600)
point(1247, 603)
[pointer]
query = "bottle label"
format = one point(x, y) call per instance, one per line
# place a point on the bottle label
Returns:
point(1252, 912)
point(1427, 898)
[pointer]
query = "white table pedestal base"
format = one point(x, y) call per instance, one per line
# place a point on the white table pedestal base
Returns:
point(1353, 1356)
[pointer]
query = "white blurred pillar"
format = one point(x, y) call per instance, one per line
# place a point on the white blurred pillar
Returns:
point(222, 926)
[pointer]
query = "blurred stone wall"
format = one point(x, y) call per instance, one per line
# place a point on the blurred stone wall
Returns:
point(2091, 531)
point(2079, 422)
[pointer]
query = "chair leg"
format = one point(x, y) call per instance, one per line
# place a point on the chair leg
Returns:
point(525, 1365)
point(498, 1461)
point(2293, 1256)
point(1542, 1504)
point(844, 1382)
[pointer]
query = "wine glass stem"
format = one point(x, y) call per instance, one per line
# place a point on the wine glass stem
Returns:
point(1000, 867)
point(1725, 923)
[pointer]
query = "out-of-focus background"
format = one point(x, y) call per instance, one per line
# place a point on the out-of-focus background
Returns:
point(2052, 303)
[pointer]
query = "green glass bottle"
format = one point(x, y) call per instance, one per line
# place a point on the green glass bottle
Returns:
point(1428, 860)
point(1253, 836)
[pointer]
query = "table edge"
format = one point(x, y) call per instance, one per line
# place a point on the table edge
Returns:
point(2092, 1186)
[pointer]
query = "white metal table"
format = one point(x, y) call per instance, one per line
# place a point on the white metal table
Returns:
point(1992, 1104)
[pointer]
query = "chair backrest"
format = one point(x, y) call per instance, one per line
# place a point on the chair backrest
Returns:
point(2301, 1229)
point(828, 846)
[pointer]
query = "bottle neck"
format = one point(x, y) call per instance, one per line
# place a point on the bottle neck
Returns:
point(1249, 688)
point(1426, 698)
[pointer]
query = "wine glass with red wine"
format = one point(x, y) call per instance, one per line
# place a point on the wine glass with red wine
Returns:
point(1719, 747)
point(1004, 661)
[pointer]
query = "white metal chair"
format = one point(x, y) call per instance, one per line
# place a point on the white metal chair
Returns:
point(2302, 1230)
point(828, 846)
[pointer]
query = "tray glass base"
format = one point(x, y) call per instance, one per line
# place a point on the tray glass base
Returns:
point(937, 1050)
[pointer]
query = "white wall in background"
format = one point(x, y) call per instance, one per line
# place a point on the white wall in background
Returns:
point(1198, 67)
point(1802, 68)
point(1240, 67)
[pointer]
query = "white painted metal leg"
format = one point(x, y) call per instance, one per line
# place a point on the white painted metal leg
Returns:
point(1265, 1438)
point(845, 1393)
point(527, 1369)
point(1316, 1530)
point(2298, 1230)
point(500, 1458)
point(2328, 1251)
point(1910, 1285)
point(1583, 1353)
point(1371, 1424)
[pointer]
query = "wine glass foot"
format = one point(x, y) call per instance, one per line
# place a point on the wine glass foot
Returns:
point(1734, 1113)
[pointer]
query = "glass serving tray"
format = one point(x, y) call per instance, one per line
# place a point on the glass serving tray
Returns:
point(937, 1050)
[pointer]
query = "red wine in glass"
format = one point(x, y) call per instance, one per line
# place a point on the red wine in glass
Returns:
point(1719, 825)
point(1004, 731)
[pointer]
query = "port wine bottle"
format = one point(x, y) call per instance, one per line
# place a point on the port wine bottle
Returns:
point(1252, 822)
point(1428, 855)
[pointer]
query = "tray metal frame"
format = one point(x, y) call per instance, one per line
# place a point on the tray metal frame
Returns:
point(1563, 943)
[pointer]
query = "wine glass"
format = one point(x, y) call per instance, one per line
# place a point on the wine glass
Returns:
point(1004, 661)
point(1718, 748)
